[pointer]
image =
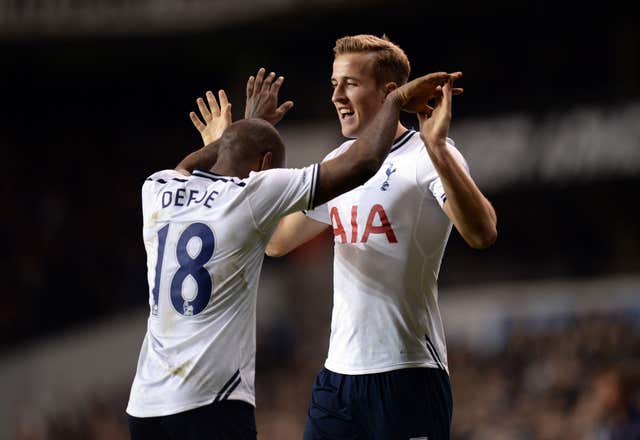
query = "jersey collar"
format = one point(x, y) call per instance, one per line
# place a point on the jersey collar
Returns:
point(402, 139)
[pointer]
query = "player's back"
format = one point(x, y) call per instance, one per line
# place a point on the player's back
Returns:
point(205, 236)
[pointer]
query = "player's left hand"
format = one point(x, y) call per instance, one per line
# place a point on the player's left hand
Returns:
point(434, 125)
point(216, 117)
point(429, 87)
point(262, 98)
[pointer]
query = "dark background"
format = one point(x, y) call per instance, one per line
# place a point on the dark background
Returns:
point(88, 114)
point(87, 118)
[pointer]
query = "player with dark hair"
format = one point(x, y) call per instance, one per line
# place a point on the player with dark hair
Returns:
point(205, 232)
point(386, 373)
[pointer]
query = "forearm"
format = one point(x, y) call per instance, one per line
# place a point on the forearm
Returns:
point(373, 145)
point(293, 231)
point(363, 158)
point(204, 158)
point(466, 206)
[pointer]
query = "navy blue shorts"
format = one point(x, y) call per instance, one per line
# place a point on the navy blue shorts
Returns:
point(228, 420)
point(411, 403)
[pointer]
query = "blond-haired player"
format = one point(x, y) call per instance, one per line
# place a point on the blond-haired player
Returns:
point(386, 373)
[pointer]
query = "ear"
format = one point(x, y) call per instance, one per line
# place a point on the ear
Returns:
point(266, 161)
point(389, 87)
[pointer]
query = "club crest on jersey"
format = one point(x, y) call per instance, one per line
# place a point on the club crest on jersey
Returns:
point(390, 170)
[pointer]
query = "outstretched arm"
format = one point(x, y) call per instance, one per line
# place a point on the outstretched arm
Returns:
point(468, 209)
point(216, 119)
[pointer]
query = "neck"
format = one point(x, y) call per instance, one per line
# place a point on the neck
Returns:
point(227, 170)
point(401, 129)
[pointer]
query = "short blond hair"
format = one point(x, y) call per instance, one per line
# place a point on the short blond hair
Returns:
point(390, 64)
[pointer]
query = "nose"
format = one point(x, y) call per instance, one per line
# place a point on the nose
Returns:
point(338, 94)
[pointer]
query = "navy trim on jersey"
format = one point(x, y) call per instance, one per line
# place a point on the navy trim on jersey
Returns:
point(314, 183)
point(233, 383)
point(230, 390)
point(180, 180)
point(157, 180)
point(434, 353)
point(215, 177)
point(402, 140)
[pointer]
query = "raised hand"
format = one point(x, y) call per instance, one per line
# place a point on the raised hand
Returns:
point(434, 125)
point(262, 98)
point(216, 117)
point(415, 94)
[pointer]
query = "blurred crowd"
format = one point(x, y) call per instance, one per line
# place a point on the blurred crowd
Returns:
point(572, 378)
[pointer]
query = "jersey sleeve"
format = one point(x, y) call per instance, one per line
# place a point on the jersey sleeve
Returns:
point(428, 178)
point(153, 185)
point(277, 192)
point(320, 213)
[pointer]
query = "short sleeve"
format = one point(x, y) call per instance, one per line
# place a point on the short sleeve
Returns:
point(319, 213)
point(277, 192)
point(154, 184)
point(428, 177)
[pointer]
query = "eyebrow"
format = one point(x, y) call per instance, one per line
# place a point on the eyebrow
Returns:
point(353, 78)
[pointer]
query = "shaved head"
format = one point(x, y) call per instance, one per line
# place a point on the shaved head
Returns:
point(246, 142)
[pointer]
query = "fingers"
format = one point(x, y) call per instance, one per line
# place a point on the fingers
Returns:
point(197, 122)
point(284, 108)
point(224, 101)
point(266, 85)
point(213, 104)
point(275, 88)
point(250, 85)
point(204, 111)
point(226, 114)
point(446, 94)
point(258, 81)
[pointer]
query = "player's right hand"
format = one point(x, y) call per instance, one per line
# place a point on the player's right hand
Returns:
point(216, 117)
point(414, 95)
point(262, 98)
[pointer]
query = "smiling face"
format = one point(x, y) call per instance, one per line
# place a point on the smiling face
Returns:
point(357, 95)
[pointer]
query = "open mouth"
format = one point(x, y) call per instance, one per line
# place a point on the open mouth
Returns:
point(346, 114)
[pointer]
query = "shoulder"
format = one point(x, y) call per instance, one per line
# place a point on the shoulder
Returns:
point(278, 176)
point(209, 176)
point(165, 175)
point(339, 150)
point(161, 179)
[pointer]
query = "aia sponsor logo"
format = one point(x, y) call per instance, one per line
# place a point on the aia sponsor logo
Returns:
point(377, 223)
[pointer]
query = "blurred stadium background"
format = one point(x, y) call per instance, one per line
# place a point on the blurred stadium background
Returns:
point(543, 329)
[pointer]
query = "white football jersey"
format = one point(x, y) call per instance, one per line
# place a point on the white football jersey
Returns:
point(205, 237)
point(390, 235)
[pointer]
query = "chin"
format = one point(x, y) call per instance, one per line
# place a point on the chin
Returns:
point(350, 132)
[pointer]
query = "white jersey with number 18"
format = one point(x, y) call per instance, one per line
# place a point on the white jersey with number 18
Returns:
point(205, 237)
